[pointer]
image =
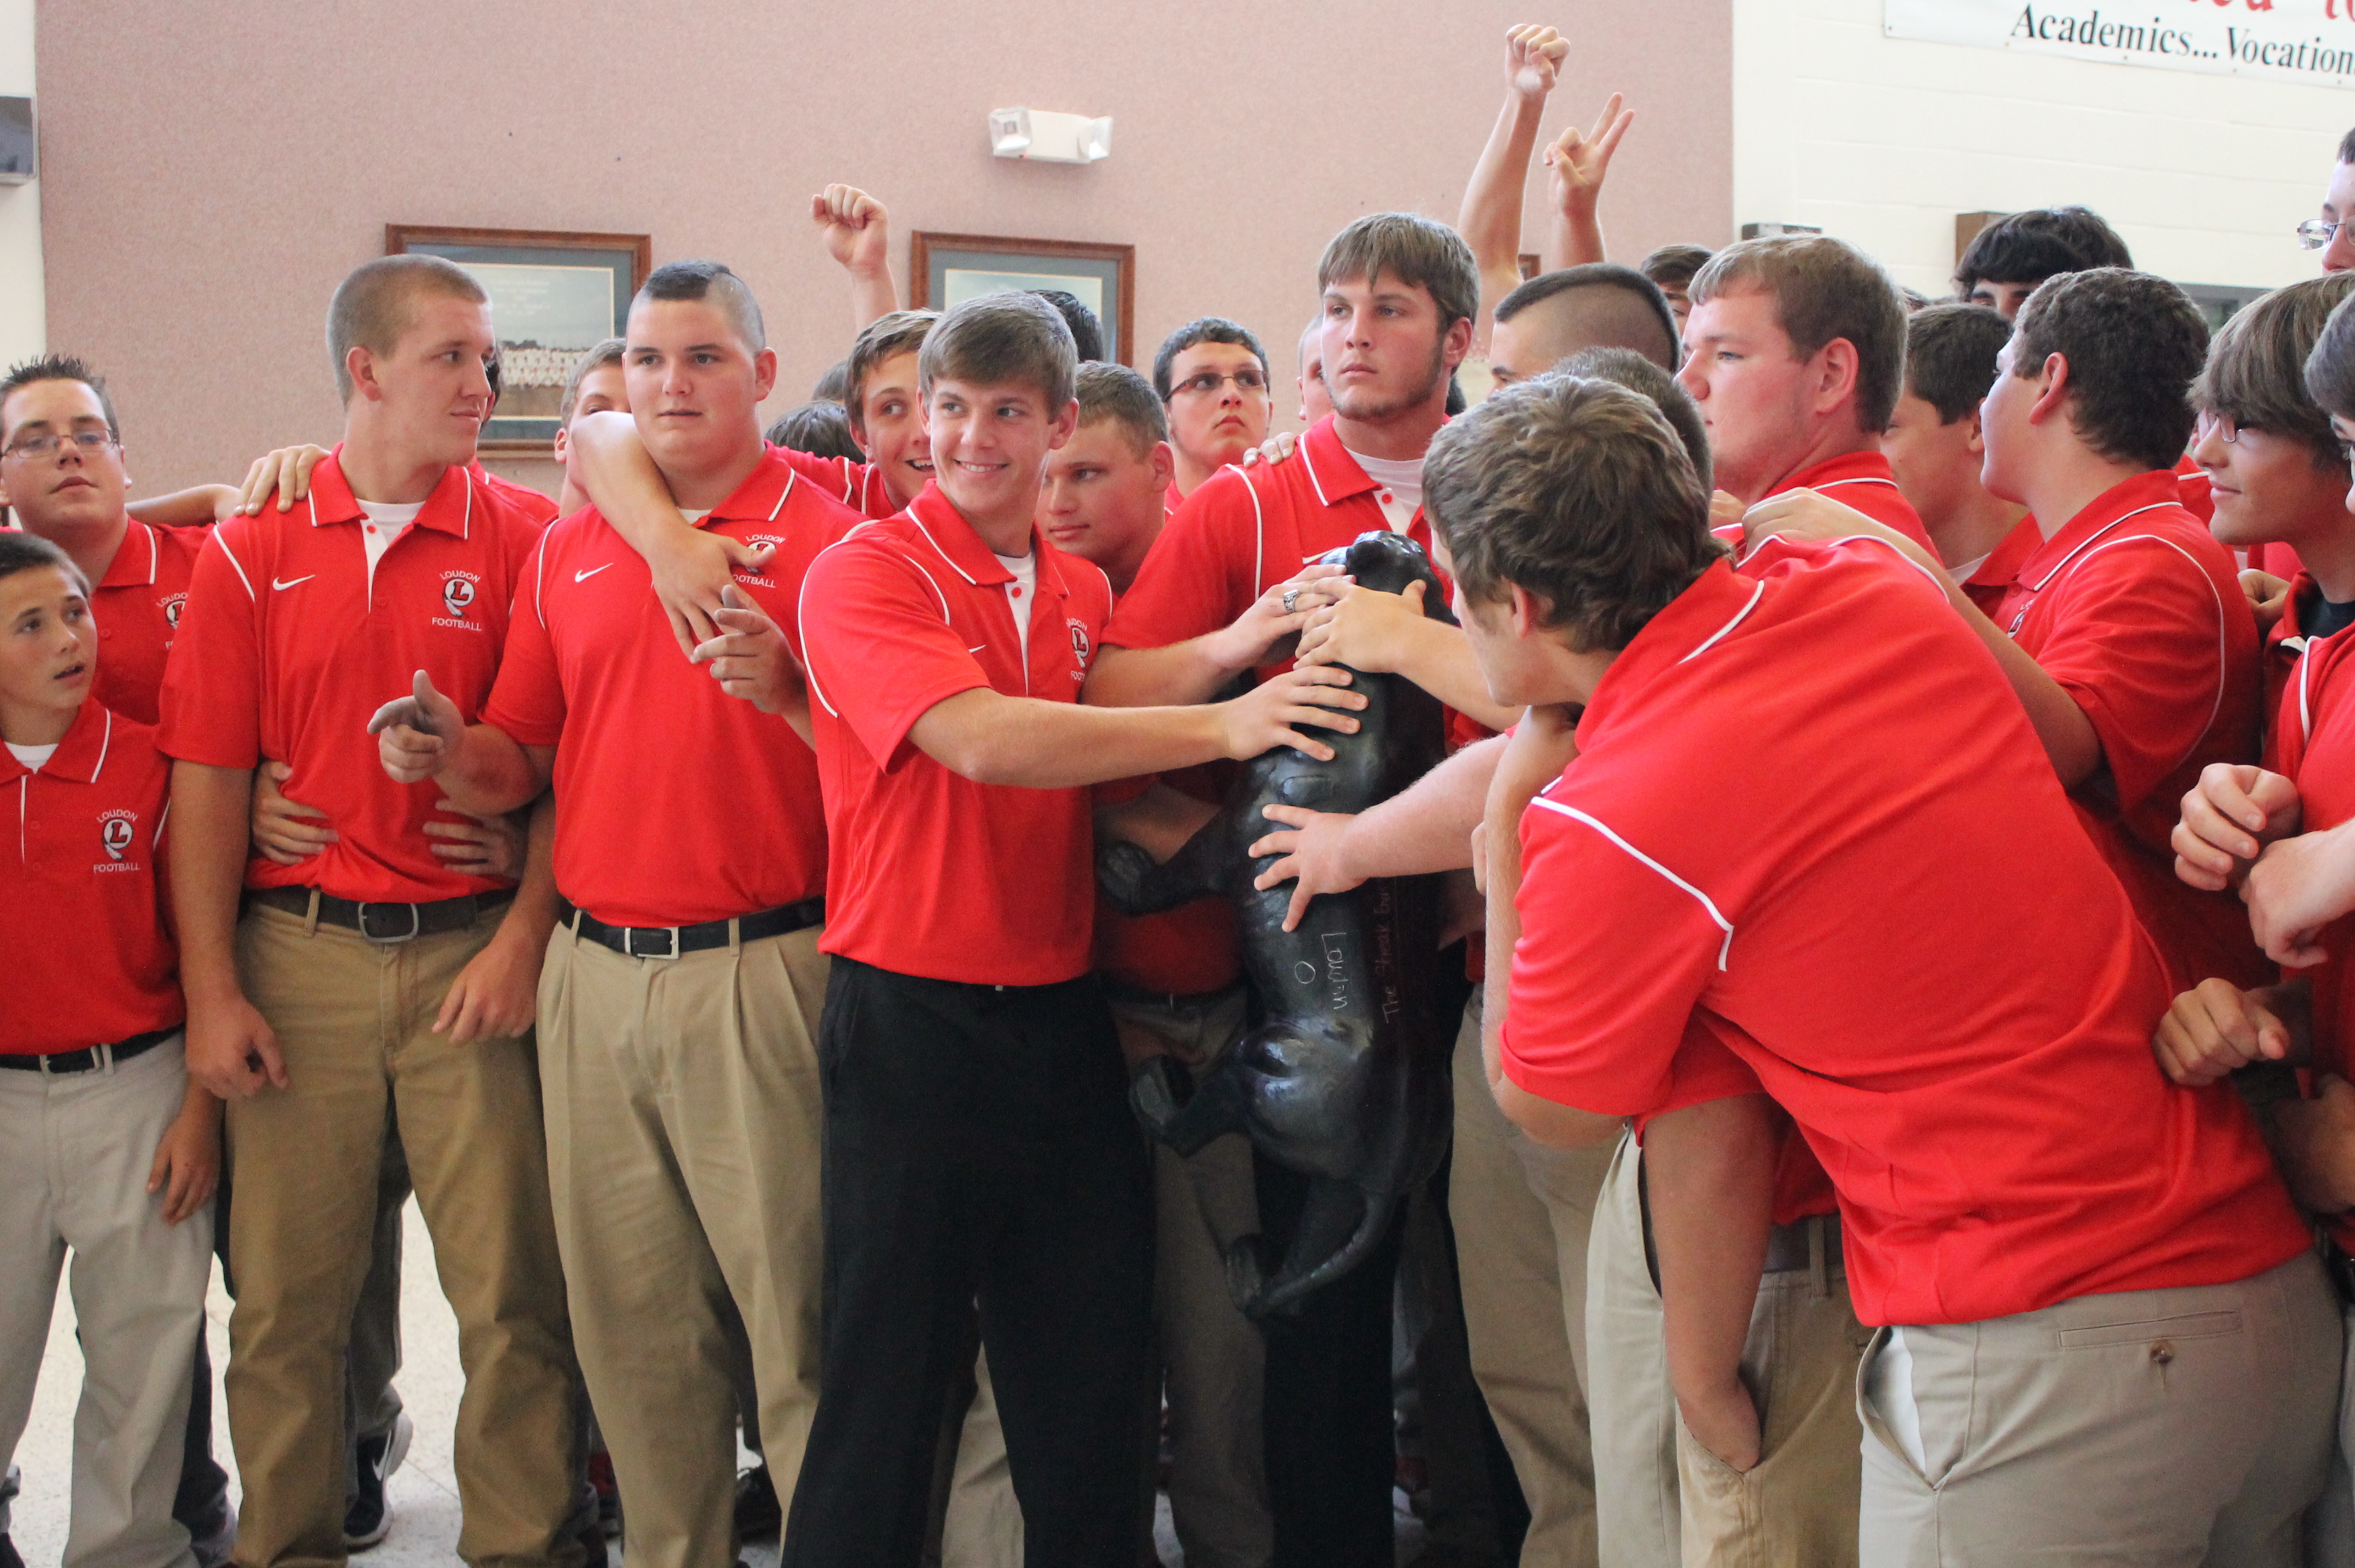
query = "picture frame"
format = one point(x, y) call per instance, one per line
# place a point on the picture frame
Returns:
point(945, 270)
point(547, 288)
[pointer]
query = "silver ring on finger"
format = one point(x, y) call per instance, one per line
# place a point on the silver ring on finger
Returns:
point(1291, 600)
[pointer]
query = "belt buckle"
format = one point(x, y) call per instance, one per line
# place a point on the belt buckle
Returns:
point(632, 933)
point(416, 924)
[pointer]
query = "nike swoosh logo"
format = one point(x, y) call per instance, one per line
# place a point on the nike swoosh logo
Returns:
point(585, 576)
point(281, 585)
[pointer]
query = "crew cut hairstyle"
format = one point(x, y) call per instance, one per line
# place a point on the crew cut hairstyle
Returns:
point(2134, 344)
point(2030, 247)
point(1823, 289)
point(376, 302)
point(1639, 373)
point(2330, 367)
point(1420, 252)
point(1673, 266)
point(609, 352)
point(21, 551)
point(1205, 329)
point(1950, 356)
point(2256, 366)
point(1117, 393)
point(62, 368)
point(1005, 339)
point(1577, 491)
point(1639, 290)
point(713, 282)
point(886, 338)
point(820, 427)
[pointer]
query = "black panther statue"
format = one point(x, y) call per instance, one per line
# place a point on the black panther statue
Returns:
point(1346, 1077)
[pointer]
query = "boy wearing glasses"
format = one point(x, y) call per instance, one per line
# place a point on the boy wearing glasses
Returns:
point(2329, 233)
point(1211, 376)
point(63, 476)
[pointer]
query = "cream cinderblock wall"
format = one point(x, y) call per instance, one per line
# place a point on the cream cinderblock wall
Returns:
point(213, 169)
point(23, 302)
point(1882, 140)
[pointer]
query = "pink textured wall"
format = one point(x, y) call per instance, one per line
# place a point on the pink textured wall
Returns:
point(209, 171)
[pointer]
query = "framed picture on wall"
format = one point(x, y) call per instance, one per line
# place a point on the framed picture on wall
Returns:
point(554, 296)
point(947, 270)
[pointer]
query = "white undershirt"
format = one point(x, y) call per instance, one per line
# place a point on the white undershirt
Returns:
point(1020, 593)
point(34, 758)
point(1401, 487)
point(695, 517)
point(386, 523)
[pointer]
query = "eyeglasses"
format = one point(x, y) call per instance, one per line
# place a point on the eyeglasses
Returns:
point(2315, 232)
point(91, 442)
point(2226, 427)
point(1207, 383)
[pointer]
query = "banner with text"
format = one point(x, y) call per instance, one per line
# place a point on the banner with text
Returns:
point(2285, 40)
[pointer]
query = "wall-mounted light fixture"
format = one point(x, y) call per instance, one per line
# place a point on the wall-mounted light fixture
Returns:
point(1047, 137)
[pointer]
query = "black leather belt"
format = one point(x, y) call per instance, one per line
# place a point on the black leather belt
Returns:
point(384, 923)
point(1787, 1245)
point(672, 941)
point(92, 1057)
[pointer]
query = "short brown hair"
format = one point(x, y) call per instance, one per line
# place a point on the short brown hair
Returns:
point(377, 301)
point(1004, 340)
point(610, 352)
point(2256, 366)
point(2330, 367)
point(1950, 356)
point(1673, 266)
point(1823, 289)
point(1639, 374)
point(886, 338)
point(1417, 250)
point(61, 367)
point(1579, 493)
point(2133, 342)
point(1117, 393)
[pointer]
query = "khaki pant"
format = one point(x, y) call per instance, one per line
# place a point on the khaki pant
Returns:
point(2330, 1524)
point(355, 1019)
point(1522, 1213)
point(1633, 1411)
point(1796, 1507)
point(2158, 1428)
point(684, 1120)
point(74, 1155)
point(1661, 1498)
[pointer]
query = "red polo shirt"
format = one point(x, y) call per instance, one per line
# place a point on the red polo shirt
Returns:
point(1995, 575)
point(1887, 901)
point(2137, 612)
point(288, 648)
point(675, 802)
point(81, 908)
point(531, 503)
point(1242, 531)
point(933, 874)
point(2313, 742)
point(1865, 481)
point(857, 485)
point(137, 606)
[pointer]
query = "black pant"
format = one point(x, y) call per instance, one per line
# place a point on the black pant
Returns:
point(978, 1143)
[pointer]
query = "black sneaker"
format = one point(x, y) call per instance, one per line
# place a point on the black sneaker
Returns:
point(214, 1540)
point(758, 1517)
point(367, 1518)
